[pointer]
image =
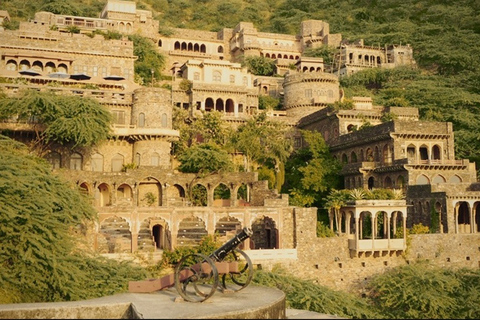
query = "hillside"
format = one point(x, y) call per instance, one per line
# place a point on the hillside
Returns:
point(444, 36)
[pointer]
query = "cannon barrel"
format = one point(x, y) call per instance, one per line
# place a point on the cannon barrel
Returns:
point(231, 244)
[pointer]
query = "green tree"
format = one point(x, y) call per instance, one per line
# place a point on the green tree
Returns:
point(69, 120)
point(259, 66)
point(311, 171)
point(43, 216)
point(149, 59)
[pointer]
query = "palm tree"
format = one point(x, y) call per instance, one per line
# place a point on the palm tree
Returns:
point(336, 200)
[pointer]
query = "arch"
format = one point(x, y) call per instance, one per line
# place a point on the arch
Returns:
point(24, 65)
point(438, 179)
point(221, 196)
point(411, 153)
point(209, 104)
point(229, 106)
point(190, 47)
point(387, 154)
point(455, 179)
point(11, 65)
point(400, 182)
point(97, 162)
point(436, 153)
point(227, 224)
point(141, 120)
point(50, 67)
point(199, 196)
point(124, 194)
point(62, 68)
point(353, 157)
point(37, 66)
point(371, 183)
point(365, 225)
point(117, 162)
point(351, 128)
point(137, 160)
point(219, 105)
point(177, 46)
point(423, 152)
point(162, 236)
point(243, 194)
point(155, 159)
point(463, 217)
point(203, 48)
point(176, 195)
point(387, 183)
point(102, 195)
point(422, 179)
point(196, 47)
point(149, 193)
point(369, 154)
point(117, 235)
point(191, 230)
point(183, 46)
point(76, 161)
point(220, 49)
point(159, 43)
point(55, 159)
point(380, 225)
point(344, 158)
point(265, 234)
point(216, 76)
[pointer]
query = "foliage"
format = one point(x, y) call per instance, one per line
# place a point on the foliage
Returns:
point(306, 295)
point(265, 173)
point(266, 102)
point(205, 159)
point(420, 291)
point(324, 231)
point(207, 245)
point(149, 198)
point(346, 104)
point(149, 59)
point(259, 66)
point(68, 120)
point(325, 52)
point(42, 218)
point(419, 228)
point(263, 142)
point(311, 171)
point(210, 127)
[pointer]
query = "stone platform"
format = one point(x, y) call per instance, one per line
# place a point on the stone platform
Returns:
point(253, 302)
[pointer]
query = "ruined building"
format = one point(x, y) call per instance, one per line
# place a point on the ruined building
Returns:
point(145, 207)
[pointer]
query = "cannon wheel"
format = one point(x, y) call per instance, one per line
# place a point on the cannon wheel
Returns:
point(236, 281)
point(196, 277)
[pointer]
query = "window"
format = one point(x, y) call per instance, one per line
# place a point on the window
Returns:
point(117, 163)
point(118, 117)
point(217, 76)
point(137, 159)
point(55, 159)
point(232, 78)
point(196, 76)
point(76, 161)
point(97, 162)
point(141, 120)
point(164, 120)
point(155, 161)
point(308, 93)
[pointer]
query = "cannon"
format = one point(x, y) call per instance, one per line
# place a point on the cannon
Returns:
point(198, 276)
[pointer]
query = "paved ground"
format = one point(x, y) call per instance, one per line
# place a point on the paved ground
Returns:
point(251, 302)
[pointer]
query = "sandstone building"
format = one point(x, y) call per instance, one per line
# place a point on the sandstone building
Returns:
point(143, 201)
